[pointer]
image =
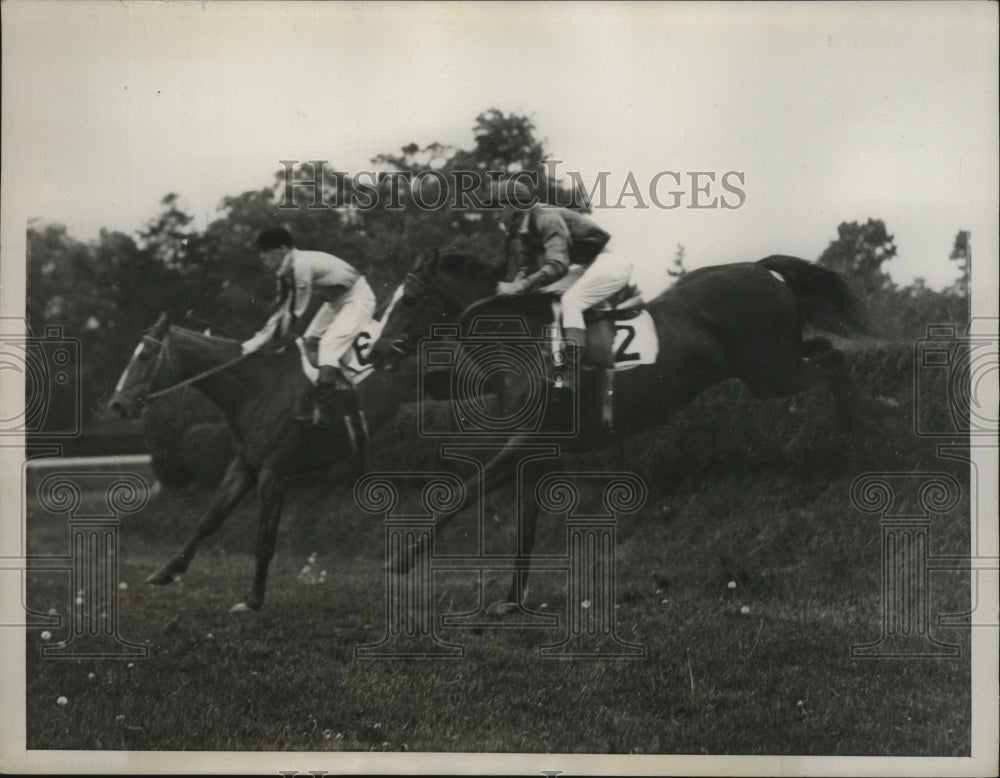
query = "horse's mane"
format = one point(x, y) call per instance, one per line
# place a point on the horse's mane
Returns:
point(206, 342)
point(467, 263)
point(536, 305)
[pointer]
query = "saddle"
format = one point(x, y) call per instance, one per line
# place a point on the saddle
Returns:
point(620, 335)
point(599, 352)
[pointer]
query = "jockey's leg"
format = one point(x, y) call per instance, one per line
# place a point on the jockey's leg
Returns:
point(607, 274)
point(335, 392)
point(574, 340)
point(336, 403)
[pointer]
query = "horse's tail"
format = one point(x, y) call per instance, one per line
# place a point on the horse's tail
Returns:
point(827, 301)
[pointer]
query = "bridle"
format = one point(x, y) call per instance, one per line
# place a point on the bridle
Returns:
point(163, 355)
point(416, 288)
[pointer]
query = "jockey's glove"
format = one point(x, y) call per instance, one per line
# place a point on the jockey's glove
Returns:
point(277, 344)
point(545, 275)
point(511, 288)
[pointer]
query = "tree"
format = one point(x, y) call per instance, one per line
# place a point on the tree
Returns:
point(507, 142)
point(168, 234)
point(962, 252)
point(677, 269)
point(859, 252)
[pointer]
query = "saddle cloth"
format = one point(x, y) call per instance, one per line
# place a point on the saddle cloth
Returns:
point(632, 334)
point(620, 320)
point(355, 364)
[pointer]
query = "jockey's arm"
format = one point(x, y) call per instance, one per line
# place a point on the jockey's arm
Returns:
point(265, 333)
point(547, 274)
point(318, 297)
point(555, 262)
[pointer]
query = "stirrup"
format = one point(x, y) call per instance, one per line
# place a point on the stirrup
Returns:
point(306, 412)
point(357, 433)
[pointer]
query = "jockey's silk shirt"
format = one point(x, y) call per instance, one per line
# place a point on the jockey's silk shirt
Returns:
point(550, 235)
point(302, 276)
point(305, 273)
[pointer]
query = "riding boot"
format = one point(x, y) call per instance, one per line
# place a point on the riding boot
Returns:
point(327, 392)
point(567, 374)
point(337, 402)
point(607, 376)
point(355, 423)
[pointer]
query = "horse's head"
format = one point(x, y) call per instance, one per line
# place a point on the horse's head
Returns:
point(146, 372)
point(436, 291)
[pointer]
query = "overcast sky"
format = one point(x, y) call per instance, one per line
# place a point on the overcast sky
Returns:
point(831, 113)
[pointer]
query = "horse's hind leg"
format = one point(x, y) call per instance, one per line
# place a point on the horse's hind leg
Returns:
point(526, 531)
point(831, 365)
point(239, 478)
point(816, 361)
point(271, 492)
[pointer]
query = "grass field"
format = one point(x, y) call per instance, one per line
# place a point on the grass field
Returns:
point(747, 577)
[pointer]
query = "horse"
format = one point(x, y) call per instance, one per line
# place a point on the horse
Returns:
point(743, 320)
point(258, 394)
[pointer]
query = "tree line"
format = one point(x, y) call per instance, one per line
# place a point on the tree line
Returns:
point(106, 291)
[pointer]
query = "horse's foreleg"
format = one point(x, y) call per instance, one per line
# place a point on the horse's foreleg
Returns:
point(829, 364)
point(239, 478)
point(527, 527)
point(271, 492)
point(496, 472)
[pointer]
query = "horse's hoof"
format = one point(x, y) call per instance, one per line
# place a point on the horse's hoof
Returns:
point(882, 406)
point(162, 577)
point(501, 608)
point(240, 607)
point(397, 565)
point(402, 563)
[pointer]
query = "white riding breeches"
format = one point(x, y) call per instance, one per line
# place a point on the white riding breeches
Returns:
point(337, 324)
point(607, 274)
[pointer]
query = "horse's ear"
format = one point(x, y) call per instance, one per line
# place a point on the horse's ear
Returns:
point(426, 260)
point(161, 325)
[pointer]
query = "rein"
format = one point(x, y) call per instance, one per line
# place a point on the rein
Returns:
point(187, 381)
point(471, 307)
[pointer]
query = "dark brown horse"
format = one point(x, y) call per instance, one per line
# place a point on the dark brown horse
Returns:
point(741, 321)
point(258, 394)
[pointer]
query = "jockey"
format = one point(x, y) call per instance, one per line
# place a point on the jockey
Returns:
point(327, 302)
point(542, 242)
